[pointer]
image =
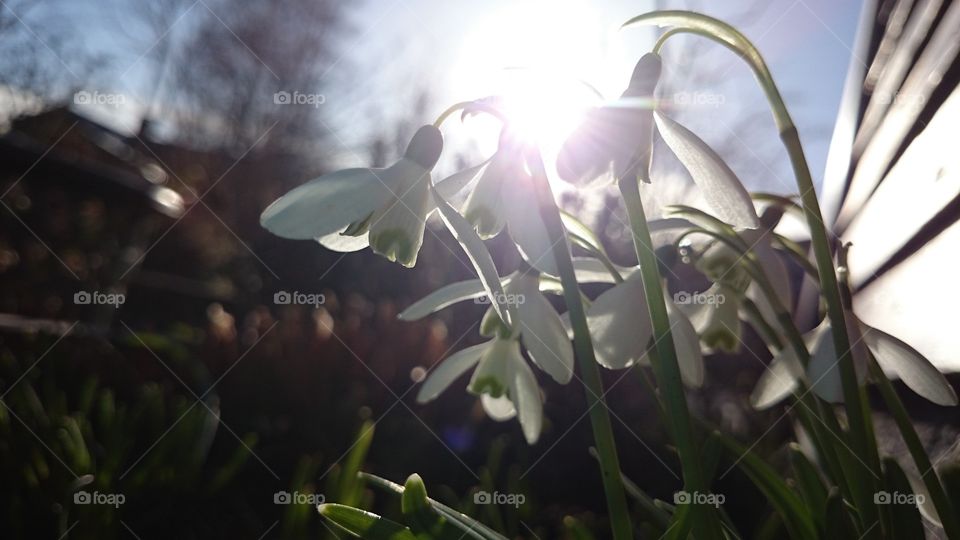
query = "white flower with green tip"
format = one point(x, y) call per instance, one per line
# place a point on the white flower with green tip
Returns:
point(502, 378)
point(351, 209)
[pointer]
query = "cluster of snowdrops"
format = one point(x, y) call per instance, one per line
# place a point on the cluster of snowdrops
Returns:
point(635, 321)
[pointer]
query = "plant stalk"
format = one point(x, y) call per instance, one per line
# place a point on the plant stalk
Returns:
point(583, 346)
point(665, 365)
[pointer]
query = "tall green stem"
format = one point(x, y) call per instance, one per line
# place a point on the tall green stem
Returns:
point(583, 346)
point(665, 365)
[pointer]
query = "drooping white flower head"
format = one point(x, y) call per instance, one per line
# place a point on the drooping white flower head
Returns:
point(615, 141)
point(620, 326)
point(502, 378)
point(897, 359)
point(504, 197)
point(351, 209)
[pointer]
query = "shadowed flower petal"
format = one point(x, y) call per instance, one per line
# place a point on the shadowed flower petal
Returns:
point(525, 395)
point(620, 324)
point(824, 370)
point(606, 144)
point(448, 371)
point(344, 243)
point(396, 232)
point(902, 360)
point(327, 204)
point(687, 344)
point(541, 329)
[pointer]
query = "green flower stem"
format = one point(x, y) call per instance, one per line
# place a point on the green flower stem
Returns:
point(583, 345)
point(665, 366)
point(459, 106)
point(732, 39)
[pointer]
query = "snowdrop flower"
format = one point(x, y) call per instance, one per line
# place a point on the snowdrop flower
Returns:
point(893, 355)
point(608, 139)
point(502, 199)
point(502, 379)
point(616, 139)
point(350, 209)
point(621, 330)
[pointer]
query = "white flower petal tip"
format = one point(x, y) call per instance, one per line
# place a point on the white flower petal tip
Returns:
point(778, 381)
point(720, 186)
point(541, 329)
point(901, 360)
point(344, 243)
point(686, 342)
point(525, 395)
point(326, 204)
point(443, 375)
point(498, 409)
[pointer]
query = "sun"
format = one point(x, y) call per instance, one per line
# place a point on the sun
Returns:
point(533, 56)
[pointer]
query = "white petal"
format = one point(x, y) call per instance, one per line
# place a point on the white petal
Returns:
point(344, 243)
point(824, 370)
point(778, 381)
point(620, 325)
point(326, 204)
point(483, 207)
point(902, 360)
point(492, 375)
point(721, 187)
point(499, 409)
point(396, 231)
point(453, 184)
point(541, 330)
point(478, 253)
point(593, 271)
point(526, 228)
point(687, 344)
point(525, 395)
point(443, 297)
point(448, 371)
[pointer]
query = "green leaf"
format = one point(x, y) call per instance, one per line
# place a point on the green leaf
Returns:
point(809, 483)
point(905, 518)
point(363, 524)
point(469, 526)
point(720, 186)
point(350, 490)
point(477, 251)
point(580, 230)
point(419, 514)
point(796, 516)
point(839, 522)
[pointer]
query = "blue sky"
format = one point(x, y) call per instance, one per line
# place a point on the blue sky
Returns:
point(398, 47)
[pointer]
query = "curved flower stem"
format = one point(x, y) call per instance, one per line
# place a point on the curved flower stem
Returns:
point(461, 105)
point(583, 345)
point(665, 365)
point(729, 37)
